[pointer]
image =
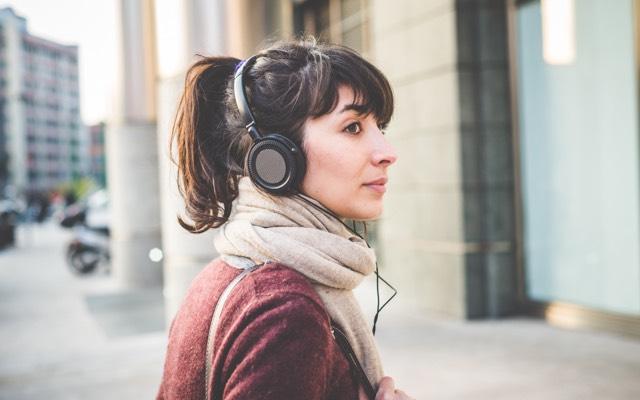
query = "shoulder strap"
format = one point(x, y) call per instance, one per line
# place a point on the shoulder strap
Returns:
point(214, 323)
point(356, 368)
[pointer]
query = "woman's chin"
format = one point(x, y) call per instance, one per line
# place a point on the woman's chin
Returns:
point(358, 208)
point(369, 213)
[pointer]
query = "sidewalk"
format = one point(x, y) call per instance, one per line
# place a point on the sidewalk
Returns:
point(65, 337)
point(517, 358)
point(59, 338)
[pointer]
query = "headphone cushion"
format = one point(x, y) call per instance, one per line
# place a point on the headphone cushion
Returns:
point(276, 164)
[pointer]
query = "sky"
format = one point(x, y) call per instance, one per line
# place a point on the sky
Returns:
point(90, 24)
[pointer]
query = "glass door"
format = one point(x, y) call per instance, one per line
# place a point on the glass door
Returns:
point(578, 122)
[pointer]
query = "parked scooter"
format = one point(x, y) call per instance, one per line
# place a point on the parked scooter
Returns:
point(87, 249)
point(90, 243)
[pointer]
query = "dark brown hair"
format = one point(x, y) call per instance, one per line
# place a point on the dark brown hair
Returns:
point(289, 83)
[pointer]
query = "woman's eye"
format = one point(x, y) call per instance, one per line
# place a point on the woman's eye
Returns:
point(353, 128)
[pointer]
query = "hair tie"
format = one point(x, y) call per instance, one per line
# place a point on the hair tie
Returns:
point(238, 65)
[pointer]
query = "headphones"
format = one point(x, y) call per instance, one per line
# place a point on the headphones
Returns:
point(276, 164)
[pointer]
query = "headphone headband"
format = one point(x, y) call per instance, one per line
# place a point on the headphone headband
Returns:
point(240, 94)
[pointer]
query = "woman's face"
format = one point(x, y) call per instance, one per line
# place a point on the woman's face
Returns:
point(347, 160)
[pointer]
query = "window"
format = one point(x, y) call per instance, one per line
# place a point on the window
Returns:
point(338, 21)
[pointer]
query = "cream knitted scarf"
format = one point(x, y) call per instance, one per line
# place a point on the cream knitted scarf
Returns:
point(290, 231)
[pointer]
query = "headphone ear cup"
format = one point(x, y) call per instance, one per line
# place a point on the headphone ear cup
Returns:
point(276, 164)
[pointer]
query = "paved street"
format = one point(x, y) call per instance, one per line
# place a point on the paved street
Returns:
point(65, 337)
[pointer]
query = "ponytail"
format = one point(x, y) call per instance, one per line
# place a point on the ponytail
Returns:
point(209, 154)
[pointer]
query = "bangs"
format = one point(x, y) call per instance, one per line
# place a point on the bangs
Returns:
point(372, 92)
point(301, 80)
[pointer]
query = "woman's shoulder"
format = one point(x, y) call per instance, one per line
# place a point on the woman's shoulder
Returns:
point(278, 279)
point(271, 280)
point(277, 286)
point(272, 283)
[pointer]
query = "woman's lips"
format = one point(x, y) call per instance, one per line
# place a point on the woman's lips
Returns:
point(377, 188)
point(377, 185)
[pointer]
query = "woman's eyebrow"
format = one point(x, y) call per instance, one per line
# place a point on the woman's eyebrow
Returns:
point(358, 108)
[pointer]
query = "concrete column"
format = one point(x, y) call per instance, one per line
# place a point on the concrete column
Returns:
point(446, 233)
point(191, 27)
point(209, 28)
point(132, 159)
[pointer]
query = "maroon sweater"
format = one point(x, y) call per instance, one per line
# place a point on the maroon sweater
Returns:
point(273, 340)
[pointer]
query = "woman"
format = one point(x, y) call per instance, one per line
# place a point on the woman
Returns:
point(277, 151)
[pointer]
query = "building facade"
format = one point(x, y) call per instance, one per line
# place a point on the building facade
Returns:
point(40, 109)
point(515, 190)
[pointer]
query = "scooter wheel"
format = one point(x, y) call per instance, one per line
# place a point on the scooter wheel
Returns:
point(83, 260)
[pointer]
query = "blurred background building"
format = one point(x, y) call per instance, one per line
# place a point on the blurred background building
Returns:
point(516, 128)
point(40, 127)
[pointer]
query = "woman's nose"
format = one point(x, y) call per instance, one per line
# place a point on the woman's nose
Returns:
point(384, 152)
